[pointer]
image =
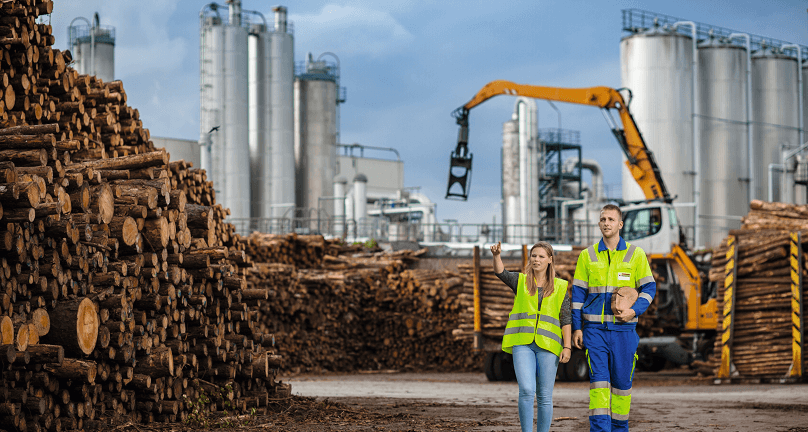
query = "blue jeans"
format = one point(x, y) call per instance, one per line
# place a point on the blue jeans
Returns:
point(535, 372)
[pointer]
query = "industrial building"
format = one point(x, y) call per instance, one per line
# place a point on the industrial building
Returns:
point(723, 109)
point(93, 47)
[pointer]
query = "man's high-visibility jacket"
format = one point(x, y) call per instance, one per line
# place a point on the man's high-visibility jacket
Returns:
point(527, 323)
point(598, 274)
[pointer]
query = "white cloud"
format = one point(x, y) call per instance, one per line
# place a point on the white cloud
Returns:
point(350, 30)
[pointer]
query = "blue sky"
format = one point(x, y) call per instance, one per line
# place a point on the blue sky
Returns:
point(407, 64)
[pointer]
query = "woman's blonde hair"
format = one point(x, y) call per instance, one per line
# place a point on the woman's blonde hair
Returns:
point(549, 284)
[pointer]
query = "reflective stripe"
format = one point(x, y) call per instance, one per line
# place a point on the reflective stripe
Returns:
point(629, 254)
point(645, 280)
point(580, 283)
point(576, 305)
point(551, 320)
point(599, 384)
point(599, 411)
point(521, 316)
point(601, 289)
point(599, 399)
point(616, 416)
point(606, 317)
point(647, 297)
point(621, 392)
point(593, 256)
point(523, 329)
point(549, 334)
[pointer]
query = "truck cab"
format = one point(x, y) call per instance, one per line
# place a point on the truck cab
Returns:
point(653, 226)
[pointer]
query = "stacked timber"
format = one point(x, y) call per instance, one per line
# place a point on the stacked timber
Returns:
point(124, 291)
point(762, 345)
point(359, 309)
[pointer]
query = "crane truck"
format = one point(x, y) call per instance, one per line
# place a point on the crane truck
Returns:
point(685, 300)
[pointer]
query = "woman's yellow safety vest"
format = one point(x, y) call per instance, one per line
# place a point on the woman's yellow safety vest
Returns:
point(526, 323)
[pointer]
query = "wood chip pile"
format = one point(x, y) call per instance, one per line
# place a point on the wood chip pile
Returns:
point(763, 326)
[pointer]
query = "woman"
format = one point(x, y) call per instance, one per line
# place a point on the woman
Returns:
point(538, 333)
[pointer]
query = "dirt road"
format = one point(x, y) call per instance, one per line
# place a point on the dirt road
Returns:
point(669, 400)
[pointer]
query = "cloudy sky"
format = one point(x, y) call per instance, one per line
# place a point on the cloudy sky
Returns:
point(407, 64)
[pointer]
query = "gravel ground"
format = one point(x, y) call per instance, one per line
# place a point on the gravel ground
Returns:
point(415, 402)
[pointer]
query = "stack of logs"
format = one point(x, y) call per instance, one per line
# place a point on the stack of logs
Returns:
point(496, 298)
point(357, 310)
point(762, 346)
point(125, 254)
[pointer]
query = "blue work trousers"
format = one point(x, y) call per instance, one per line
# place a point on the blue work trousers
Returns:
point(535, 372)
point(612, 356)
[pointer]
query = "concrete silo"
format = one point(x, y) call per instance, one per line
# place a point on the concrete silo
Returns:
point(723, 136)
point(775, 124)
point(657, 67)
point(93, 48)
point(223, 105)
point(316, 99)
point(281, 130)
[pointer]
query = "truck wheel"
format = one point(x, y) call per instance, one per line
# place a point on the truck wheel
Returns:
point(577, 368)
point(488, 367)
point(503, 367)
point(652, 363)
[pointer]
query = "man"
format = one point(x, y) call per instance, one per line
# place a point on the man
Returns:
point(610, 338)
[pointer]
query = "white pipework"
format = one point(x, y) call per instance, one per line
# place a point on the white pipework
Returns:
point(789, 187)
point(696, 143)
point(598, 190)
point(749, 147)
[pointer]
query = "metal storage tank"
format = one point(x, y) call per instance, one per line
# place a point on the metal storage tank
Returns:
point(259, 121)
point(510, 180)
point(93, 48)
point(722, 133)
point(316, 143)
point(282, 77)
point(657, 67)
point(211, 65)
point(801, 190)
point(236, 150)
point(775, 108)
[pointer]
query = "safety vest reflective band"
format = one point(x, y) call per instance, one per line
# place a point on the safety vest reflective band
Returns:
point(527, 324)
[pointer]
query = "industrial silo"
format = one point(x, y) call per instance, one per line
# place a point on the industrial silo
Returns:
point(281, 131)
point(223, 105)
point(93, 48)
point(723, 138)
point(236, 142)
point(656, 66)
point(316, 143)
point(259, 121)
point(510, 180)
point(775, 108)
point(211, 67)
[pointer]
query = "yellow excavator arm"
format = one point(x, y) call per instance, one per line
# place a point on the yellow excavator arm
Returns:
point(640, 160)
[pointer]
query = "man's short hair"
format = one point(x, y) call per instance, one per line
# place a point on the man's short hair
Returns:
point(615, 208)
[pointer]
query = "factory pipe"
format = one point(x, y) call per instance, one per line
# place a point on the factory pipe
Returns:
point(749, 145)
point(696, 143)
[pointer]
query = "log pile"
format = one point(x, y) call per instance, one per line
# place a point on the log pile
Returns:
point(356, 310)
point(762, 344)
point(124, 254)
